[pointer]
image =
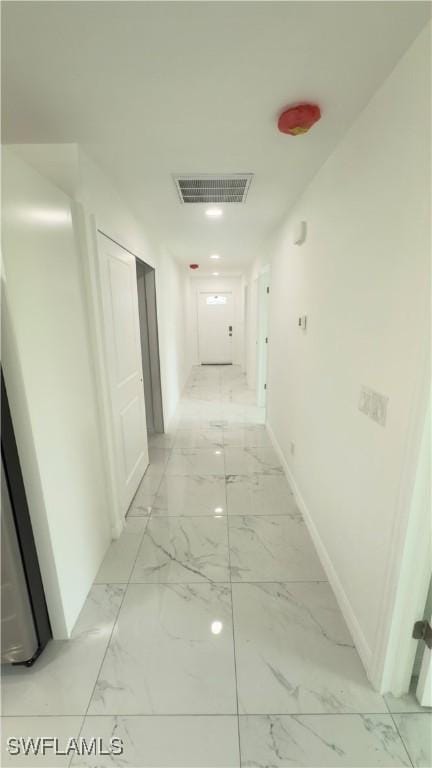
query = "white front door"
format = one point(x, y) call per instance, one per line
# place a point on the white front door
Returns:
point(123, 356)
point(215, 327)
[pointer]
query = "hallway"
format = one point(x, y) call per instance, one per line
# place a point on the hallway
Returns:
point(211, 631)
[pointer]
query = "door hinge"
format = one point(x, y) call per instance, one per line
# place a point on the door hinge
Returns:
point(422, 630)
point(265, 386)
point(266, 340)
point(268, 289)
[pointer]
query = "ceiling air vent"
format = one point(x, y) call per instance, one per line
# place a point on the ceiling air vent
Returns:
point(208, 188)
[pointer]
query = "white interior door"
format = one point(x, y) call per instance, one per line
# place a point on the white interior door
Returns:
point(123, 353)
point(215, 327)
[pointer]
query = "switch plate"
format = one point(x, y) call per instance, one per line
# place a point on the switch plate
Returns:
point(374, 405)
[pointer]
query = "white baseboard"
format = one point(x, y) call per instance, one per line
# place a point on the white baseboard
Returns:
point(358, 637)
point(117, 529)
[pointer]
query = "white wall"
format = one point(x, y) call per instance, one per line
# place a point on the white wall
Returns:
point(172, 286)
point(362, 277)
point(100, 198)
point(70, 167)
point(235, 285)
point(47, 365)
point(52, 371)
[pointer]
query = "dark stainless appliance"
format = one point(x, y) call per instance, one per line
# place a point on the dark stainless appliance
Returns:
point(25, 625)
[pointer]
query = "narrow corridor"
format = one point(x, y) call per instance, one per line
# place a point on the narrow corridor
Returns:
point(211, 635)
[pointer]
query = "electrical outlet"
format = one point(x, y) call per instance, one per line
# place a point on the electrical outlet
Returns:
point(378, 411)
point(365, 400)
point(374, 405)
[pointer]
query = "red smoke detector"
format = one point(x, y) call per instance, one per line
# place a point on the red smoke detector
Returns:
point(193, 266)
point(299, 119)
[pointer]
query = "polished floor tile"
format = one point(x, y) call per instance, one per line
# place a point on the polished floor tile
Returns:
point(158, 455)
point(25, 728)
point(62, 679)
point(416, 732)
point(183, 549)
point(294, 653)
point(118, 561)
point(407, 703)
point(260, 495)
point(321, 741)
point(245, 461)
point(212, 601)
point(166, 742)
point(272, 549)
point(196, 461)
point(171, 653)
point(142, 502)
point(211, 438)
point(251, 436)
point(161, 440)
point(195, 495)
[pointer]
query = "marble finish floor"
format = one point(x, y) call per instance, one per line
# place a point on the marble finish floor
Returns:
point(211, 637)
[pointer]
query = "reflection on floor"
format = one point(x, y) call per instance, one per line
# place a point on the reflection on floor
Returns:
point(211, 636)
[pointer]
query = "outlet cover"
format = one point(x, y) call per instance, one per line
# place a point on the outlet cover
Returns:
point(374, 405)
point(378, 410)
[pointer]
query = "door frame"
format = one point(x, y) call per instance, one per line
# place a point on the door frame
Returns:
point(408, 576)
point(88, 228)
point(149, 330)
point(263, 283)
point(211, 293)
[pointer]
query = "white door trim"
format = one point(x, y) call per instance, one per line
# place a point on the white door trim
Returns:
point(409, 558)
point(263, 282)
point(88, 234)
point(199, 292)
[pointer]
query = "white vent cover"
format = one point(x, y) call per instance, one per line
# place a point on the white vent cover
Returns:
point(209, 188)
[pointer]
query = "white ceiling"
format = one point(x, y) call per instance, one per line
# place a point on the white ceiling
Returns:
point(156, 88)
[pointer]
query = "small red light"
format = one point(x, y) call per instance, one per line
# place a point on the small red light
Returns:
point(193, 266)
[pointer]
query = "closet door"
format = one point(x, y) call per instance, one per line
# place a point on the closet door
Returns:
point(124, 364)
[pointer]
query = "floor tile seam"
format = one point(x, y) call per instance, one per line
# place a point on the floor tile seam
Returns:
point(229, 582)
point(35, 717)
point(137, 552)
point(233, 638)
point(82, 716)
point(285, 515)
point(411, 712)
point(106, 650)
point(400, 736)
point(209, 515)
point(206, 580)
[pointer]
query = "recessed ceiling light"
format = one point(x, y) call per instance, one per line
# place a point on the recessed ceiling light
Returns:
point(214, 213)
point(215, 274)
point(215, 256)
